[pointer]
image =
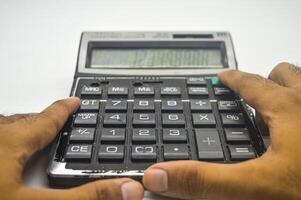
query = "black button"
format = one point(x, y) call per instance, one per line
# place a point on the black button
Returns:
point(172, 105)
point(91, 91)
point(241, 152)
point(173, 119)
point(233, 119)
point(115, 119)
point(116, 105)
point(200, 105)
point(196, 81)
point(174, 135)
point(85, 119)
point(82, 135)
point(78, 152)
point(227, 105)
point(89, 105)
point(111, 152)
point(237, 134)
point(208, 144)
point(222, 91)
point(144, 120)
point(144, 152)
point(175, 152)
point(171, 91)
point(198, 91)
point(203, 119)
point(112, 134)
point(144, 105)
point(119, 91)
point(144, 135)
point(144, 91)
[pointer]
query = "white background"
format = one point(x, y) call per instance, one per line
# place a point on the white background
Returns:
point(39, 39)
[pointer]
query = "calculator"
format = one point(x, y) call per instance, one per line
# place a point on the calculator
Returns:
point(149, 97)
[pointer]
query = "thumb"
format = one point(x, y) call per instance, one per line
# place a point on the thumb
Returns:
point(198, 180)
point(125, 189)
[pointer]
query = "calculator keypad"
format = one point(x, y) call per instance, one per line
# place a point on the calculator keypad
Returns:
point(127, 125)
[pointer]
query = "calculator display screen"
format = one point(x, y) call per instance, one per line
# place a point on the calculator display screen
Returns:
point(156, 58)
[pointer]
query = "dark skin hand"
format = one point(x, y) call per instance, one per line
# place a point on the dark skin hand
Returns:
point(275, 175)
point(24, 134)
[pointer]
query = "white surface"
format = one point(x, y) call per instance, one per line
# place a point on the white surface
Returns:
point(39, 39)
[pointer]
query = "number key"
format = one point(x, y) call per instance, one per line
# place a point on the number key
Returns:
point(110, 134)
point(111, 152)
point(144, 105)
point(144, 152)
point(144, 120)
point(114, 119)
point(144, 135)
point(172, 105)
point(174, 119)
point(174, 135)
point(116, 105)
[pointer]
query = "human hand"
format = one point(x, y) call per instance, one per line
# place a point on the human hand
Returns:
point(275, 175)
point(24, 134)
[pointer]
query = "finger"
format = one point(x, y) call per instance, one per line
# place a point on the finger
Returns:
point(13, 118)
point(286, 74)
point(201, 180)
point(125, 189)
point(3, 119)
point(39, 130)
point(254, 89)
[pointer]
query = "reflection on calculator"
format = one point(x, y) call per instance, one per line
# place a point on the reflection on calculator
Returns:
point(149, 97)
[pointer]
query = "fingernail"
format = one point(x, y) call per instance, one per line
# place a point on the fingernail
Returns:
point(131, 191)
point(73, 97)
point(157, 180)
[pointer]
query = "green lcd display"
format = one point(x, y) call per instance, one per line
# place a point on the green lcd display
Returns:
point(156, 58)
